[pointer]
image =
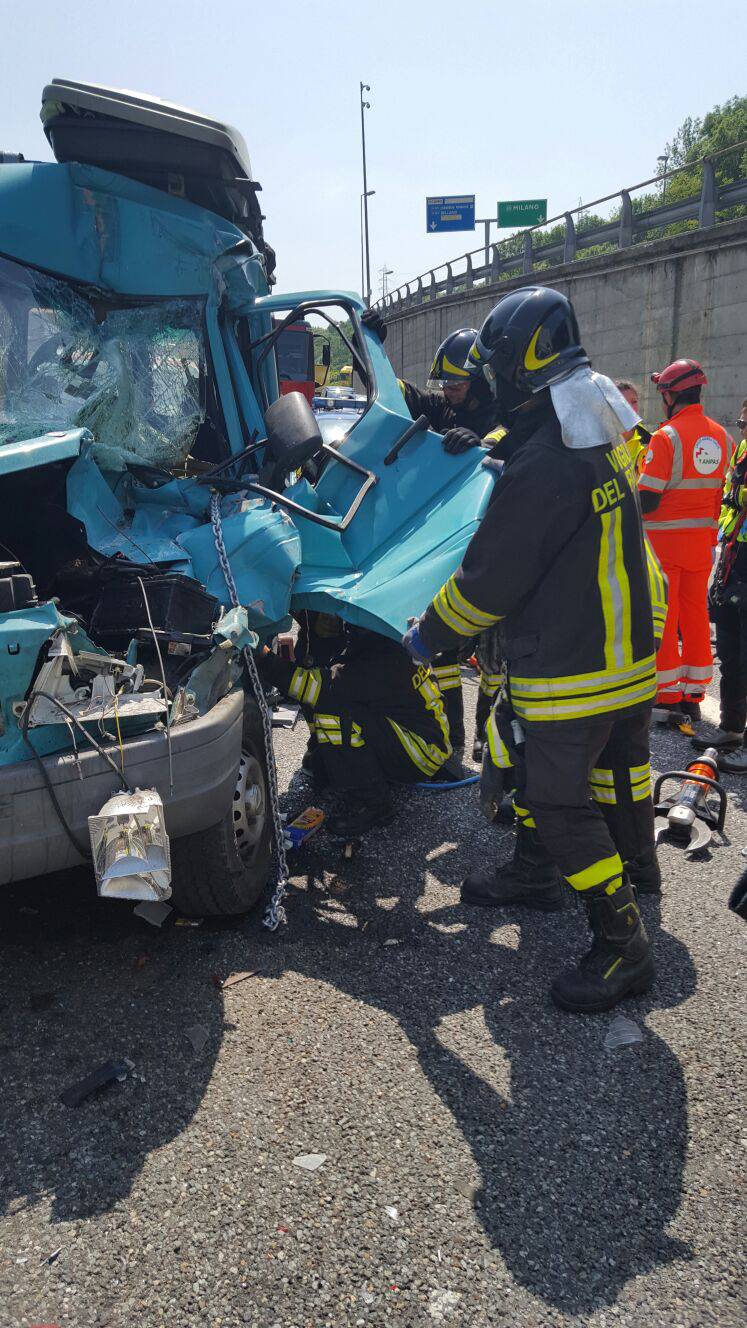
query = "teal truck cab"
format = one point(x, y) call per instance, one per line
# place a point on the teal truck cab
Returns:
point(163, 508)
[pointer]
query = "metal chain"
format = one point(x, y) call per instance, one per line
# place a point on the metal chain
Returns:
point(275, 913)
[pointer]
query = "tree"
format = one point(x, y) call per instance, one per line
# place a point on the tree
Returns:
point(721, 128)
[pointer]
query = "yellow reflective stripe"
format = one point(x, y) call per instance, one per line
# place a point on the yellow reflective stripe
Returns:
point(600, 793)
point(525, 816)
point(356, 736)
point(615, 964)
point(495, 435)
point(431, 694)
point(641, 771)
point(599, 776)
point(447, 615)
point(490, 682)
point(580, 708)
point(448, 676)
point(457, 370)
point(414, 748)
point(580, 682)
point(467, 610)
point(313, 687)
point(297, 684)
point(640, 792)
point(499, 754)
point(531, 361)
point(599, 873)
point(614, 590)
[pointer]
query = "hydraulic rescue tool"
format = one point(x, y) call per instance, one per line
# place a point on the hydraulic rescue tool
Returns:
point(689, 816)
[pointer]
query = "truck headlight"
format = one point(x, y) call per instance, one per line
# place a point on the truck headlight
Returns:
point(130, 846)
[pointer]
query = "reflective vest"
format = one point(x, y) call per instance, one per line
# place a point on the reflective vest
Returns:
point(686, 463)
point(735, 497)
point(560, 557)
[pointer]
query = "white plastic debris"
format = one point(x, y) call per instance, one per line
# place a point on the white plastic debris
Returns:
point(622, 1032)
point(442, 1304)
point(155, 914)
point(310, 1161)
point(393, 1213)
point(198, 1036)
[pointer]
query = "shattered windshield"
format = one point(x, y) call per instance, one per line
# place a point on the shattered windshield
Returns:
point(136, 376)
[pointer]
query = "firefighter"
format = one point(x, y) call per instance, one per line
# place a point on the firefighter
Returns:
point(456, 403)
point(637, 439)
point(377, 719)
point(681, 483)
point(459, 405)
point(560, 559)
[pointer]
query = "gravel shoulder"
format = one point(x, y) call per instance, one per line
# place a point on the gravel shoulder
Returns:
point(487, 1159)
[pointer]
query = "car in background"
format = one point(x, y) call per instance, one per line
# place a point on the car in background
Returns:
point(338, 397)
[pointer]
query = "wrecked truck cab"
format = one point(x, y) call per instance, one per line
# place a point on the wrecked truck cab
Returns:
point(162, 506)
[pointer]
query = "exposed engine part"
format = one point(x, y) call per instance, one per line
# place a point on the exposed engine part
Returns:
point(17, 589)
point(92, 687)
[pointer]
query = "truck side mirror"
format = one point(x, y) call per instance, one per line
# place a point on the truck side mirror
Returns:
point(292, 432)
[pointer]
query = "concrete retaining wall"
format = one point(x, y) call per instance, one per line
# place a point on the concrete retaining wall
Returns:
point(638, 309)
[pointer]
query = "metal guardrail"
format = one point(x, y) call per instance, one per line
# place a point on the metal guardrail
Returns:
point(622, 231)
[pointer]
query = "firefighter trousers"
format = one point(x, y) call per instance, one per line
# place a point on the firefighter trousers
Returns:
point(449, 678)
point(684, 660)
point(731, 644)
point(359, 749)
point(587, 793)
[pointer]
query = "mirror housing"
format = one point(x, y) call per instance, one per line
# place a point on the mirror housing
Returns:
point(293, 436)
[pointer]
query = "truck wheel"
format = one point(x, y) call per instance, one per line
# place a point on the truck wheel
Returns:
point(224, 869)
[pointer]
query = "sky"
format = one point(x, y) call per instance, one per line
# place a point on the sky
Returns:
point(567, 101)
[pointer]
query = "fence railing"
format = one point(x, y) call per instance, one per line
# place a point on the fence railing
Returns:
point(630, 225)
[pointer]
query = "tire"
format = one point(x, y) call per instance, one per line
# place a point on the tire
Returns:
point(224, 870)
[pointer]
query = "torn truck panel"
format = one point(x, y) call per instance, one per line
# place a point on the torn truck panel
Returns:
point(110, 233)
point(144, 466)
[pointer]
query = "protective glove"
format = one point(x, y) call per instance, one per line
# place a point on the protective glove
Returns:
point(414, 644)
point(460, 440)
point(371, 318)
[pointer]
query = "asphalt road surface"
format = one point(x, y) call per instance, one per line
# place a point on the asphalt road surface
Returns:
point(487, 1160)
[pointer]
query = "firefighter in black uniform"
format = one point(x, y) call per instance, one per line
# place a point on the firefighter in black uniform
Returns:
point(460, 405)
point(377, 717)
point(561, 560)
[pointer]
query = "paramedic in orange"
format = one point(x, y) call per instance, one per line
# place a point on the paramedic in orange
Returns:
point(681, 481)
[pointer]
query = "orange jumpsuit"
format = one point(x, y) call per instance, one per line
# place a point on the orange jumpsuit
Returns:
point(686, 463)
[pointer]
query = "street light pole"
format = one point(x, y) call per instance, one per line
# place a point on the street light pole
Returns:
point(664, 161)
point(370, 194)
point(486, 222)
point(365, 106)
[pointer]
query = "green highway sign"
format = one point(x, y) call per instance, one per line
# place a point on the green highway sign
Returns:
point(523, 212)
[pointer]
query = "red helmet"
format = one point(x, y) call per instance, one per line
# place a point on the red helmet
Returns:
point(679, 376)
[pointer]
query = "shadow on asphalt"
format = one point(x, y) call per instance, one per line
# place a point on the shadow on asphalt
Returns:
point(82, 983)
point(581, 1163)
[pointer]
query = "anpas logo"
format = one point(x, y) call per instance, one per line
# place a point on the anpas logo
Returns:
point(706, 455)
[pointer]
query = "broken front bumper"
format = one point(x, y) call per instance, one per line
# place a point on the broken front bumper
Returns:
point(206, 754)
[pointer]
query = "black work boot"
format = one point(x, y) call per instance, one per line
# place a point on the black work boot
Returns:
point(619, 962)
point(359, 810)
point(530, 878)
point(725, 741)
point(691, 708)
point(644, 872)
point(313, 766)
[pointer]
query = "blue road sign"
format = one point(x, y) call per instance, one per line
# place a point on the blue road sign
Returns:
point(455, 212)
